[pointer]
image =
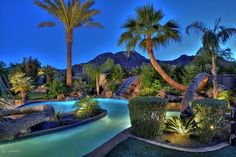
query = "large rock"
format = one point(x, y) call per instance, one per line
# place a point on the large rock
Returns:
point(61, 97)
point(191, 92)
point(133, 90)
point(31, 116)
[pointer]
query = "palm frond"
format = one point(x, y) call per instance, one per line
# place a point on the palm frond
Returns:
point(46, 24)
point(225, 33)
point(198, 27)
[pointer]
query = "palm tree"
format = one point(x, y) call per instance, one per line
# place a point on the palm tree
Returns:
point(211, 40)
point(49, 72)
point(146, 31)
point(94, 71)
point(21, 83)
point(72, 15)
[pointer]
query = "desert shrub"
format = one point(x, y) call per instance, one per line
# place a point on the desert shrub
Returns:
point(228, 96)
point(147, 115)
point(55, 88)
point(189, 72)
point(151, 90)
point(210, 117)
point(182, 126)
point(113, 85)
point(87, 108)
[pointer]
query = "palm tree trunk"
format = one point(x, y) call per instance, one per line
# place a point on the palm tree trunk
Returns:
point(214, 76)
point(69, 36)
point(97, 85)
point(23, 95)
point(159, 69)
point(48, 78)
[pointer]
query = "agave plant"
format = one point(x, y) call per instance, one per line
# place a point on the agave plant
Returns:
point(57, 116)
point(185, 127)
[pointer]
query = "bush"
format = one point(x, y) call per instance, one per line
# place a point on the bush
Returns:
point(147, 115)
point(55, 88)
point(87, 108)
point(210, 117)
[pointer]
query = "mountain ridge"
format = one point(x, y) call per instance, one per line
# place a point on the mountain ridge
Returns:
point(128, 60)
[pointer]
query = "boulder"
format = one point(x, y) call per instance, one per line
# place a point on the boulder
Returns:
point(61, 97)
point(31, 116)
point(133, 90)
point(79, 94)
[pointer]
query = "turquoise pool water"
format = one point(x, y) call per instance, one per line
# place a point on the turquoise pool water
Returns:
point(77, 141)
point(59, 106)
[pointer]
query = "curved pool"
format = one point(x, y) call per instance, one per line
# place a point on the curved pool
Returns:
point(77, 141)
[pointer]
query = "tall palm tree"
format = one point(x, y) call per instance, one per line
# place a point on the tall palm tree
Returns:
point(94, 71)
point(72, 15)
point(146, 31)
point(211, 40)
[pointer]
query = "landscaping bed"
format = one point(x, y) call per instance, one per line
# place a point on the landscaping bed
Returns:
point(136, 148)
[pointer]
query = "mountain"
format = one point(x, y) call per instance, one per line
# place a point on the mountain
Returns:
point(128, 60)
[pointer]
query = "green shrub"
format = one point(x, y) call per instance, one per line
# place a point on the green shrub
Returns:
point(87, 108)
point(147, 115)
point(113, 86)
point(210, 117)
point(153, 90)
point(55, 88)
point(185, 127)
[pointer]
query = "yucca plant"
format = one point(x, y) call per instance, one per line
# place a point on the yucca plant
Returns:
point(57, 116)
point(185, 127)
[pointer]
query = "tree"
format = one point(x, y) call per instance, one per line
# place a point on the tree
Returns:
point(211, 40)
point(49, 72)
point(29, 66)
point(94, 72)
point(72, 15)
point(146, 31)
point(21, 84)
point(2, 68)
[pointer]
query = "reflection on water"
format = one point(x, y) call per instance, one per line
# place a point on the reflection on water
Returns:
point(77, 141)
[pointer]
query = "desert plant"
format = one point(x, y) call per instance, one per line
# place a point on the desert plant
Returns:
point(184, 126)
point(49, 72)
point(29, 66)
point(146, 30)
point(55, 88)
point(72, 15)
point(87, 107)
point(210, 117)
point(147, 115)
point(21, 84)
point(211, 40)
point(95, 71)
point(226, 95)
point(57, 116)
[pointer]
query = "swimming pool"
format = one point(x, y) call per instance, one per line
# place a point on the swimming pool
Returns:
point(77, 141)
point(59, 106)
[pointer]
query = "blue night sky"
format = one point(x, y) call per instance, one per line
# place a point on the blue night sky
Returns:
point(20, 37)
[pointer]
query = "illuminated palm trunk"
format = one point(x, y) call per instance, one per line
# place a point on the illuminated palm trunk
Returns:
point(159, 69)
point(97, 85)
point(214, 75)
point(69, 58)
